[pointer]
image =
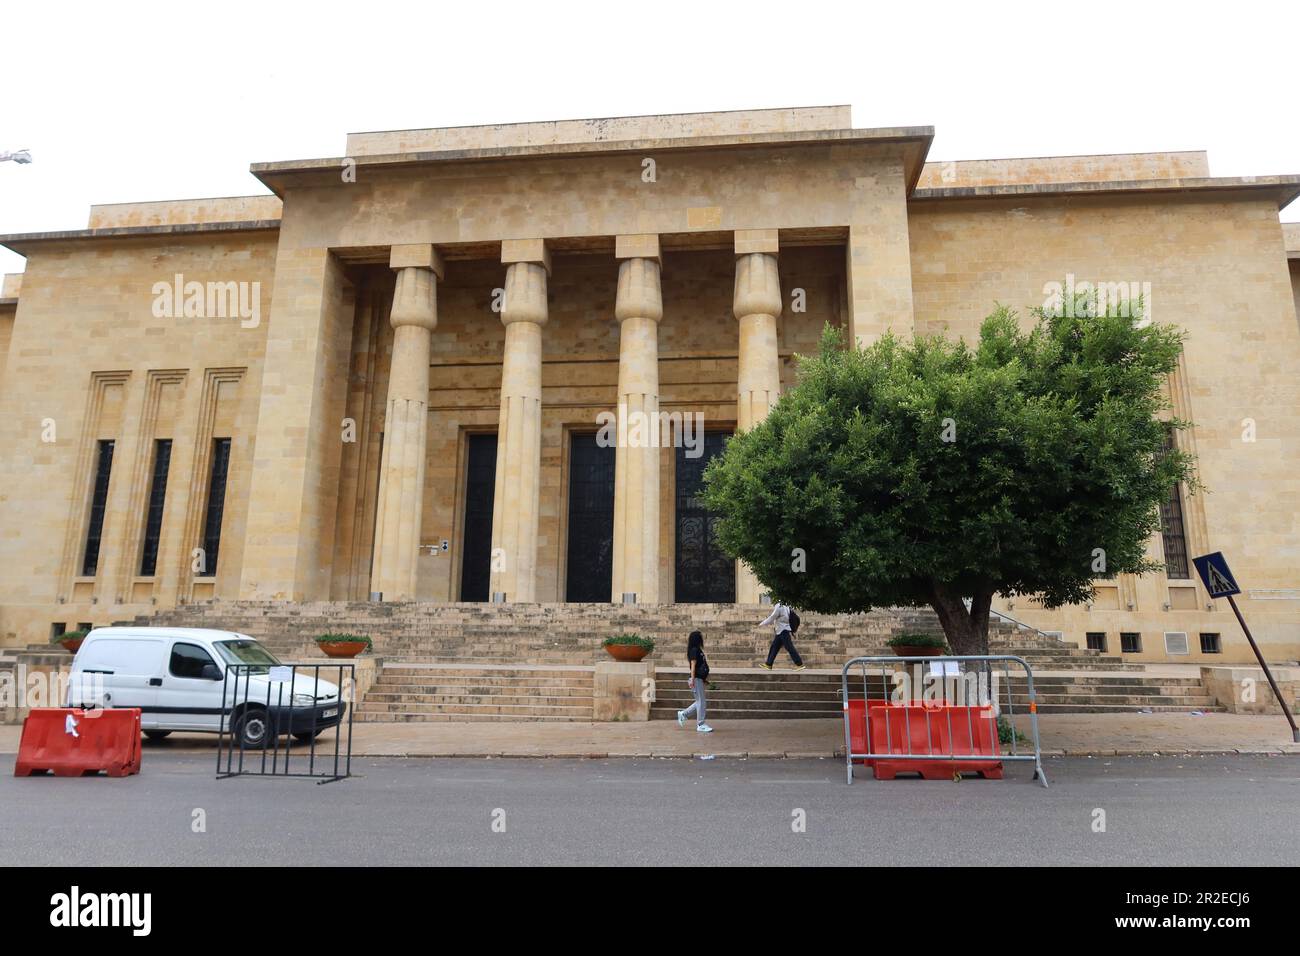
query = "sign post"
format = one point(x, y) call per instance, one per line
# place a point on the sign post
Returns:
point(1218, 580)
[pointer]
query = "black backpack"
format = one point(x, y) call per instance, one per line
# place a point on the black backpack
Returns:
point(794, 621)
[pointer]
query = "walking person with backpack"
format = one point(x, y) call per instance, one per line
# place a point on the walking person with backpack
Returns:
point(698, 683)
point(786, 621)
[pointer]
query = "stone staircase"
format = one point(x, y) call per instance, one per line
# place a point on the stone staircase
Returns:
point(763, 694)
point(463, 661)
point(427, 692)
point(571, 633)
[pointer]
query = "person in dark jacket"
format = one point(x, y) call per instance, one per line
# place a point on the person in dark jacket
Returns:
point(698, 682)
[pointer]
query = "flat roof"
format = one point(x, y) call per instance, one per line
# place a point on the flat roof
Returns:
point(277, 175)
point(1286, 188)
point(18, 241)
point(597, 129)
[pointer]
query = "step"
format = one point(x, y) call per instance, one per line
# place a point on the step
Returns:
point(755, 714)
point(454, 716)
point(573, 708)
point(484, 686)
point(544, 696)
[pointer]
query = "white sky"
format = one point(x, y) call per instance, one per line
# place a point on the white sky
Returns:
point(129, 101)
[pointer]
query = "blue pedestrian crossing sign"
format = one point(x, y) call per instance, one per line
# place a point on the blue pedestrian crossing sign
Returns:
point(1213, 569)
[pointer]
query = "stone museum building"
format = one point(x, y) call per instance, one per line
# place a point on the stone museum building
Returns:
point(385, 380)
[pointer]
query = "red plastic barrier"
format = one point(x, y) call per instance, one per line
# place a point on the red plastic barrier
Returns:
point(858, 728)
point(107, 740)
point(950, 730)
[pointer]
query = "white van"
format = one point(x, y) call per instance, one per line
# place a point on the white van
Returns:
point(176, 676)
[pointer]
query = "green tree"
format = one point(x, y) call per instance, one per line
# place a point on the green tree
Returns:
point(936, 472)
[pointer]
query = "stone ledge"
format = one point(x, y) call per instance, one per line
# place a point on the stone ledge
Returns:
point(16, 241)
point(1286, 187)
point(1226, 685)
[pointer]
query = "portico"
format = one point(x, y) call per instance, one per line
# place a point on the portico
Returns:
point(595, 288)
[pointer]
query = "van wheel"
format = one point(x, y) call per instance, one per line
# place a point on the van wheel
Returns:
point(157, 734)
point(308, 736)
point(252, 729)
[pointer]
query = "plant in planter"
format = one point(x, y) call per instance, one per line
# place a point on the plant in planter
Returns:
point(917, 645)
point(1008, 733)
point(343, 645)
point(70, 640)
point(628, 647)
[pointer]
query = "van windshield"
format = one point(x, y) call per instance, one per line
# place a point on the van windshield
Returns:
point(245, 652)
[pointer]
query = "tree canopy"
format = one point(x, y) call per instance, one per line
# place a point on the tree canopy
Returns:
point(933, 471)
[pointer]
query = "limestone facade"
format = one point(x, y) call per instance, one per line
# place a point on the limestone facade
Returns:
point(355, 333)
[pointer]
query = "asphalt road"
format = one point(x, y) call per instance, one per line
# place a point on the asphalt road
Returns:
point(1158, 811)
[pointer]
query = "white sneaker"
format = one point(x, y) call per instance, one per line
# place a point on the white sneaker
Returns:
point(681, 718)
point(704, 729)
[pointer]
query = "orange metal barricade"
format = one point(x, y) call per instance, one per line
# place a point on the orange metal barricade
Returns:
point(71, 742)
point(939, 724)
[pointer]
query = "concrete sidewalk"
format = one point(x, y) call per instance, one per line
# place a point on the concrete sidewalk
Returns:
point(1069, 734)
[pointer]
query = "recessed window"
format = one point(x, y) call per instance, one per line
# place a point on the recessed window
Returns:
point(1171, 525)
point(162, 457)
point(1097, 641)
point(85, 626)
point(58, 629)
point(216, 506)
point(1210, 644)
point(1130, 642)
point(98, 502)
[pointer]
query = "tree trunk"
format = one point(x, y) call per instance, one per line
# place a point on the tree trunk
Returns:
point(967, 630)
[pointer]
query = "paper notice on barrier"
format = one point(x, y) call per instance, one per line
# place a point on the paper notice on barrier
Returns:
point(944, 669)
point(284, 674)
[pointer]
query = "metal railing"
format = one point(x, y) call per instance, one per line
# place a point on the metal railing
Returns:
point(993, 612)
point(916, 692)
point(276, 704)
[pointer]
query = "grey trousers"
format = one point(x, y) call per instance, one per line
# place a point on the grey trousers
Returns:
point(697, 709)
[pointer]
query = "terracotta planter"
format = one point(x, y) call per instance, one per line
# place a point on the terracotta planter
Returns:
point(342, 648)
point(916, 650)
point(72, 644)
point(626, 652)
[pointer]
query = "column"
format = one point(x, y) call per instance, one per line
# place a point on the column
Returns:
point(406, 422)
point(639, 308)
point(519, 433)
point(293, 492)
point(757, 304)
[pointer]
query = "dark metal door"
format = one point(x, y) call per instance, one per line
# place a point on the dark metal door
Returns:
point(591, 520)
point(480, 488)
point(705, 573)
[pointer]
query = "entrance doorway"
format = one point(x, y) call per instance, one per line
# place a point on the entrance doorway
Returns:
point(705, 573)
point(591, 521)
point(476, 545)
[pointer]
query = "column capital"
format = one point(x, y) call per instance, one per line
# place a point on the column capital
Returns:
point(415, 298)
point(757, 240)
point(758, 286)
point(416, 256)
point(526, 250)
point(643, 245)
point(639, 294)
point(525, 293)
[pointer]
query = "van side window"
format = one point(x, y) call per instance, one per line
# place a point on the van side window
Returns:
point(188, 660)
